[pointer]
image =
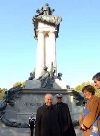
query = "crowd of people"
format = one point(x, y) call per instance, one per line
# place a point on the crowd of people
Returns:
point(55, 119)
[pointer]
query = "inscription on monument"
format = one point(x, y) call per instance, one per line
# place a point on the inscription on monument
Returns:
point(33, 104)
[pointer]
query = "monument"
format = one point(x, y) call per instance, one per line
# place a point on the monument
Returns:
point(19, 102)
point(46, 29)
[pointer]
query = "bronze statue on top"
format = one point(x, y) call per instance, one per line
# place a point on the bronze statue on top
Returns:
point(45, 10)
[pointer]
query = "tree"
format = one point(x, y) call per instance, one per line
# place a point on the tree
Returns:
point(19, 83)
point(23, 83)
point(79, 87)
point(2, 91)
point(16, 84)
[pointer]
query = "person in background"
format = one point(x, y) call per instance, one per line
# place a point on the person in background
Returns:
point(32, 123)
point(90, 120)
point(68, 129)
point(48, 121)
point(96, 79)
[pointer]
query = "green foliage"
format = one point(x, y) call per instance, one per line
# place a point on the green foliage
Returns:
point(19, 83)
point(79, 87)
point(2, 91)
point(16, 84)
point(23, 83)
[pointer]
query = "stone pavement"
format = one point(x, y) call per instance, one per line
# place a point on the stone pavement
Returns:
point(78, 132)
point(11, 131)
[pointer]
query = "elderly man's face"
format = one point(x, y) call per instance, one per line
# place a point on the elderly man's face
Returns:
point(97, 83)
point(48, 100)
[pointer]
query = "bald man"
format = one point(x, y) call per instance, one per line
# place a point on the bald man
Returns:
point(48, 121)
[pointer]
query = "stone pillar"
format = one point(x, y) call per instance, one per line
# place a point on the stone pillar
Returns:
point(47, 52)
point(52, 48)
point(40, 54)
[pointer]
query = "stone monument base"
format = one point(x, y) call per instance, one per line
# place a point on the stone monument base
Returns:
point(36, 84)
point(59, 84)
point(32, 84)
point(29, 100)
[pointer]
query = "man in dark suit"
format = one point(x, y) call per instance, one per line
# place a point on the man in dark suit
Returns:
point(48, 121)
point(68, 129)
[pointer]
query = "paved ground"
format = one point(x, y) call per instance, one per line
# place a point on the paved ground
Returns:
point(78, 132)
point(10, 131)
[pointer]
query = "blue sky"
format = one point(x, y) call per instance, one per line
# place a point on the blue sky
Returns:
point(78, 45)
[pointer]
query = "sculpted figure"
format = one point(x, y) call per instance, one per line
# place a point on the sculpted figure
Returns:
point(59, 76)
point(39, 11)
point(45, 10)
point(32, 75)
point(9, 98)
point(3, 105)
point(45, 78)
point(7, 122)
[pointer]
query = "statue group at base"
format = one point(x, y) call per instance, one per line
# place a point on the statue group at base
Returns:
point(47, 78)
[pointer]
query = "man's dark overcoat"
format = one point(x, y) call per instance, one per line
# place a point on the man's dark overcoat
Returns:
point(68, 128)
point(48, 121)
